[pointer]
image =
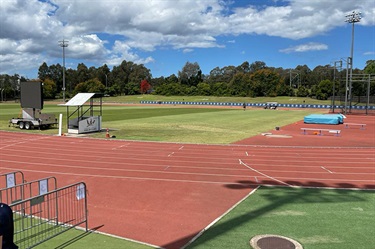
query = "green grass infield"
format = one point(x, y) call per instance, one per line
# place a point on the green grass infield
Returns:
point(168, 123)
point(316, 218)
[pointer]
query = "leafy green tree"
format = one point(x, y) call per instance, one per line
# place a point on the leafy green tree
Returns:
point(70, 81)
point(203, 89)
point(190, 90)
point(324, 90)
point(132, 88)
point(224, 74)
point(284, 90)
point(370, 67)
point(49, 89)
point(305, 75)
point(240, 85)
point(104, 75)
point(90, 86)
point(264, 82)
point(9, 86)
point(169, 89)
point(214, 75)
point(257, 65)
point(82, 73)
point(127, 76)
point(219, 89)
point(244, 67)
point(172, 79)
point(53, 72)
point(44, 72)
point(190, 74)
point(155, 82)
point(320, 73)
point(302, 91)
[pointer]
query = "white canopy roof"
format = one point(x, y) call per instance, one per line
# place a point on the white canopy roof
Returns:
point(79, 99)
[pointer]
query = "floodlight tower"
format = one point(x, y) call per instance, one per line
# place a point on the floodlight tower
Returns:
point(63, 44)
point(352, 18)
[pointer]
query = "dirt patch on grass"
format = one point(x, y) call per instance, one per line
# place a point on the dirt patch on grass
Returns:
point(320, 239)
point(288, 213)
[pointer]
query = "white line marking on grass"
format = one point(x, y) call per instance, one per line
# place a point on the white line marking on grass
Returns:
point(270, 177)
point(327, 170)
point(123, 238)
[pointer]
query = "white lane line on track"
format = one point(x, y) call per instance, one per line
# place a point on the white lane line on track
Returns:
point(370, 181)
point(24, 141)
point(63, 166)
point(181, 148)
point(247, 154)
point(270, 177)
point(171, 154)
point(130, 152)
point(131, 177)
point(121, 146)
point(331, 172)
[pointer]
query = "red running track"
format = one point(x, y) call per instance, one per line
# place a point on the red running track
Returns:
point(165, 193)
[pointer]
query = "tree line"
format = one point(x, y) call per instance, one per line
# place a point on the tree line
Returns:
point(246, 80)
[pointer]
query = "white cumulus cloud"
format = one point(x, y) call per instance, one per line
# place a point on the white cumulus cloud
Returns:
point(311, 46)
point(33, 28)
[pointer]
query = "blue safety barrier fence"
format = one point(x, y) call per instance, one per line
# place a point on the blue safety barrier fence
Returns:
point(254, 104)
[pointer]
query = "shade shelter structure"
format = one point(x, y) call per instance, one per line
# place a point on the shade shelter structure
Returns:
point(84, 115)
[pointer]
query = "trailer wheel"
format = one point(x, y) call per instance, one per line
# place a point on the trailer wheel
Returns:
point(21, 125)
point(28, 125)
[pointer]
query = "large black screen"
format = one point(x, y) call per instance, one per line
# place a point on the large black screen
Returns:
point(32, 95)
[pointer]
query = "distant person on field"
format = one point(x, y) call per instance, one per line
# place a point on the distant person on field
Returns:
point(244, 106)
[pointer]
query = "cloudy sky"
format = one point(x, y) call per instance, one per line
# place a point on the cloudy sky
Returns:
point(165, 34)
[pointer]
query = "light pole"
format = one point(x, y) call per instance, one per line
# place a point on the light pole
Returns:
point(106, 81)
point(339, 63)
point(352, 18)
point(63, 44)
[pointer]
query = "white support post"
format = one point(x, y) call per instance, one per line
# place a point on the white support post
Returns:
point(60, 124)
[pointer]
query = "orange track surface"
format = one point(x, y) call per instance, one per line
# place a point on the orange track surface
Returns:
point(165, 193)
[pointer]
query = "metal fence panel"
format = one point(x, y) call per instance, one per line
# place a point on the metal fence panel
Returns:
point(9, 180)
point(21, 191)
point(43, 217)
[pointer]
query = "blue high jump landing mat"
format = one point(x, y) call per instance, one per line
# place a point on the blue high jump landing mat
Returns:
point(324, 119)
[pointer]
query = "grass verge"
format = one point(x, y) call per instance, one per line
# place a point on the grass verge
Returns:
point(77, 239)
point(317, 218)
point(175, 123)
